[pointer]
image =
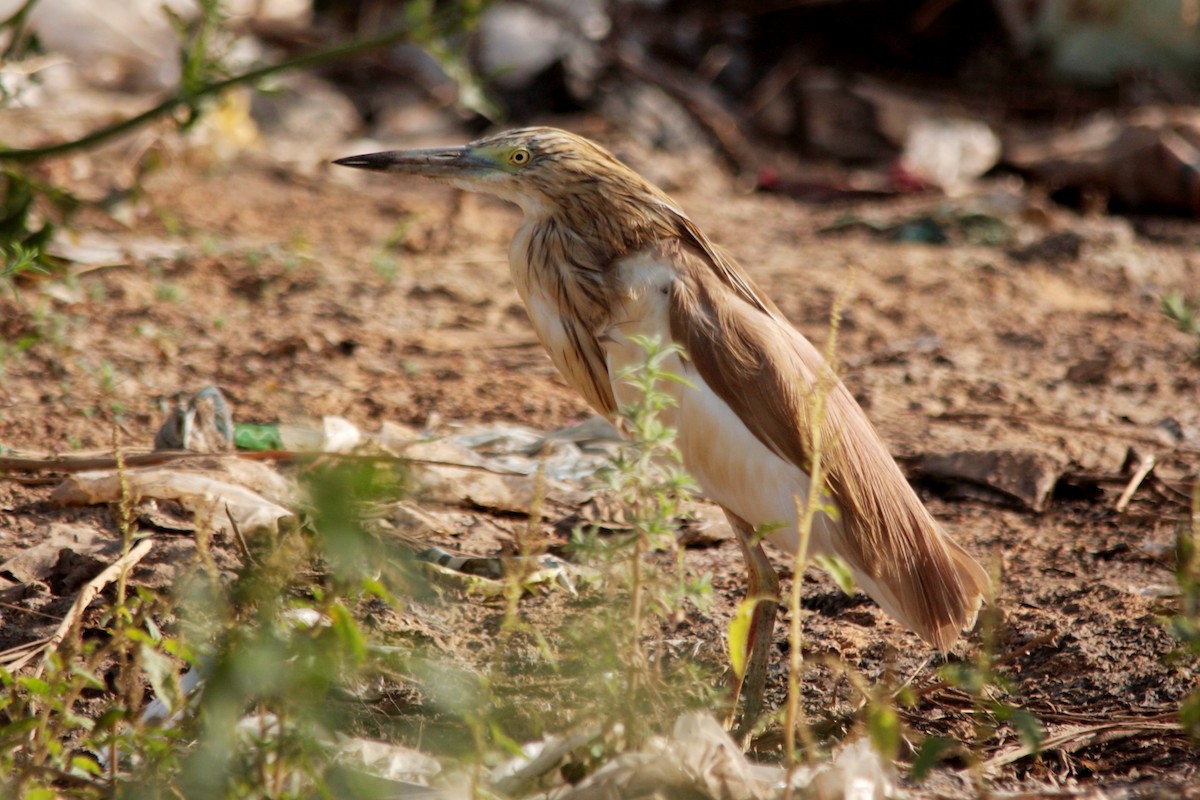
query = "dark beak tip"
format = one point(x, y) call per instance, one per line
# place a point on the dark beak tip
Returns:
point(379, 162)
point(351, 161)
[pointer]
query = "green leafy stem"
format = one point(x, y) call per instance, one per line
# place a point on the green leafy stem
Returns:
point(188, 97)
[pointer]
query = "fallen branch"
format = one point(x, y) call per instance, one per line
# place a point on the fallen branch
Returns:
point(96, 463)
point(89, 463)
point(1077, 737)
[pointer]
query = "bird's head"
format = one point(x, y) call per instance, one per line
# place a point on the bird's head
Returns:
point(539, 169)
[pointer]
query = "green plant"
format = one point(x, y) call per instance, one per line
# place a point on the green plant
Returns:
point(991, 692)
point(1186, 624)
point(386, 266)
point(20, 42)
point(170, 293)
point(618, 665)
point(1183, 312)
point(17, 259)
point(64, 729)
point(807, 508)
point(46, 741)
point(24, 231)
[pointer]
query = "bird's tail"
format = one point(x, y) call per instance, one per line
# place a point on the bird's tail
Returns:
point(895, 549)
point(937, 604)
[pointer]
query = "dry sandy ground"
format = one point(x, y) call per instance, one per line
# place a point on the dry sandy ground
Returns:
point(308, 293)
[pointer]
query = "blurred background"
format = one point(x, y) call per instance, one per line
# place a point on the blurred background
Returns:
point(1091, 100)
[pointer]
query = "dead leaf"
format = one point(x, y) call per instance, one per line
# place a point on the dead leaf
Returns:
point(36, 563)
point(212, 500)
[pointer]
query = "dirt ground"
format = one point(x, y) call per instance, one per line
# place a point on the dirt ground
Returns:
point(304, 293)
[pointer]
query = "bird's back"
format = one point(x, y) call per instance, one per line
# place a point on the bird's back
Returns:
point(770, 376)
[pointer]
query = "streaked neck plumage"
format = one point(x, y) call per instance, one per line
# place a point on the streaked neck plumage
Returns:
point(568, 248)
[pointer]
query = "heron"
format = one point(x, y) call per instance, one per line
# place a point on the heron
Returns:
point(604, 261)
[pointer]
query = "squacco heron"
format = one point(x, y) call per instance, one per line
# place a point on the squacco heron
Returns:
point(602, 257)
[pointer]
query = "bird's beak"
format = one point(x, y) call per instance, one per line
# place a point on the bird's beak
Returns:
point(434, 162)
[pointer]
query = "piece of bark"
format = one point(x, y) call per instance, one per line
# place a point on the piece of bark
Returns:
point(1026, 477)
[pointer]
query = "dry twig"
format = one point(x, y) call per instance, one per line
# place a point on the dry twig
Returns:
point(1077, 737)
point(1144, 468)
point(85, 597)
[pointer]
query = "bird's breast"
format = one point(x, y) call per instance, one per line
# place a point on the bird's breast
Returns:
point(543, 302)
point(564, 307)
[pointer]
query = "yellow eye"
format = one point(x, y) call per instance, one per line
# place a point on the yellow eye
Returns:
point(519, 157)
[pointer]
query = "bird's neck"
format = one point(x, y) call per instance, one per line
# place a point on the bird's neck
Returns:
point(567, 251)
point(563, 269)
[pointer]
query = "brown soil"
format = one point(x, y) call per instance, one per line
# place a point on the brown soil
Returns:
point(388, 301)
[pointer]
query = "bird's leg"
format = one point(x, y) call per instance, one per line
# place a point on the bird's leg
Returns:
point(764, 586)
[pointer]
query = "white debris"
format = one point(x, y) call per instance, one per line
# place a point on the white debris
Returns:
point(950, 153)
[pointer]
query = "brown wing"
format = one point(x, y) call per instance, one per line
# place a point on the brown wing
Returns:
point(766, 371)
point(727, 270)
